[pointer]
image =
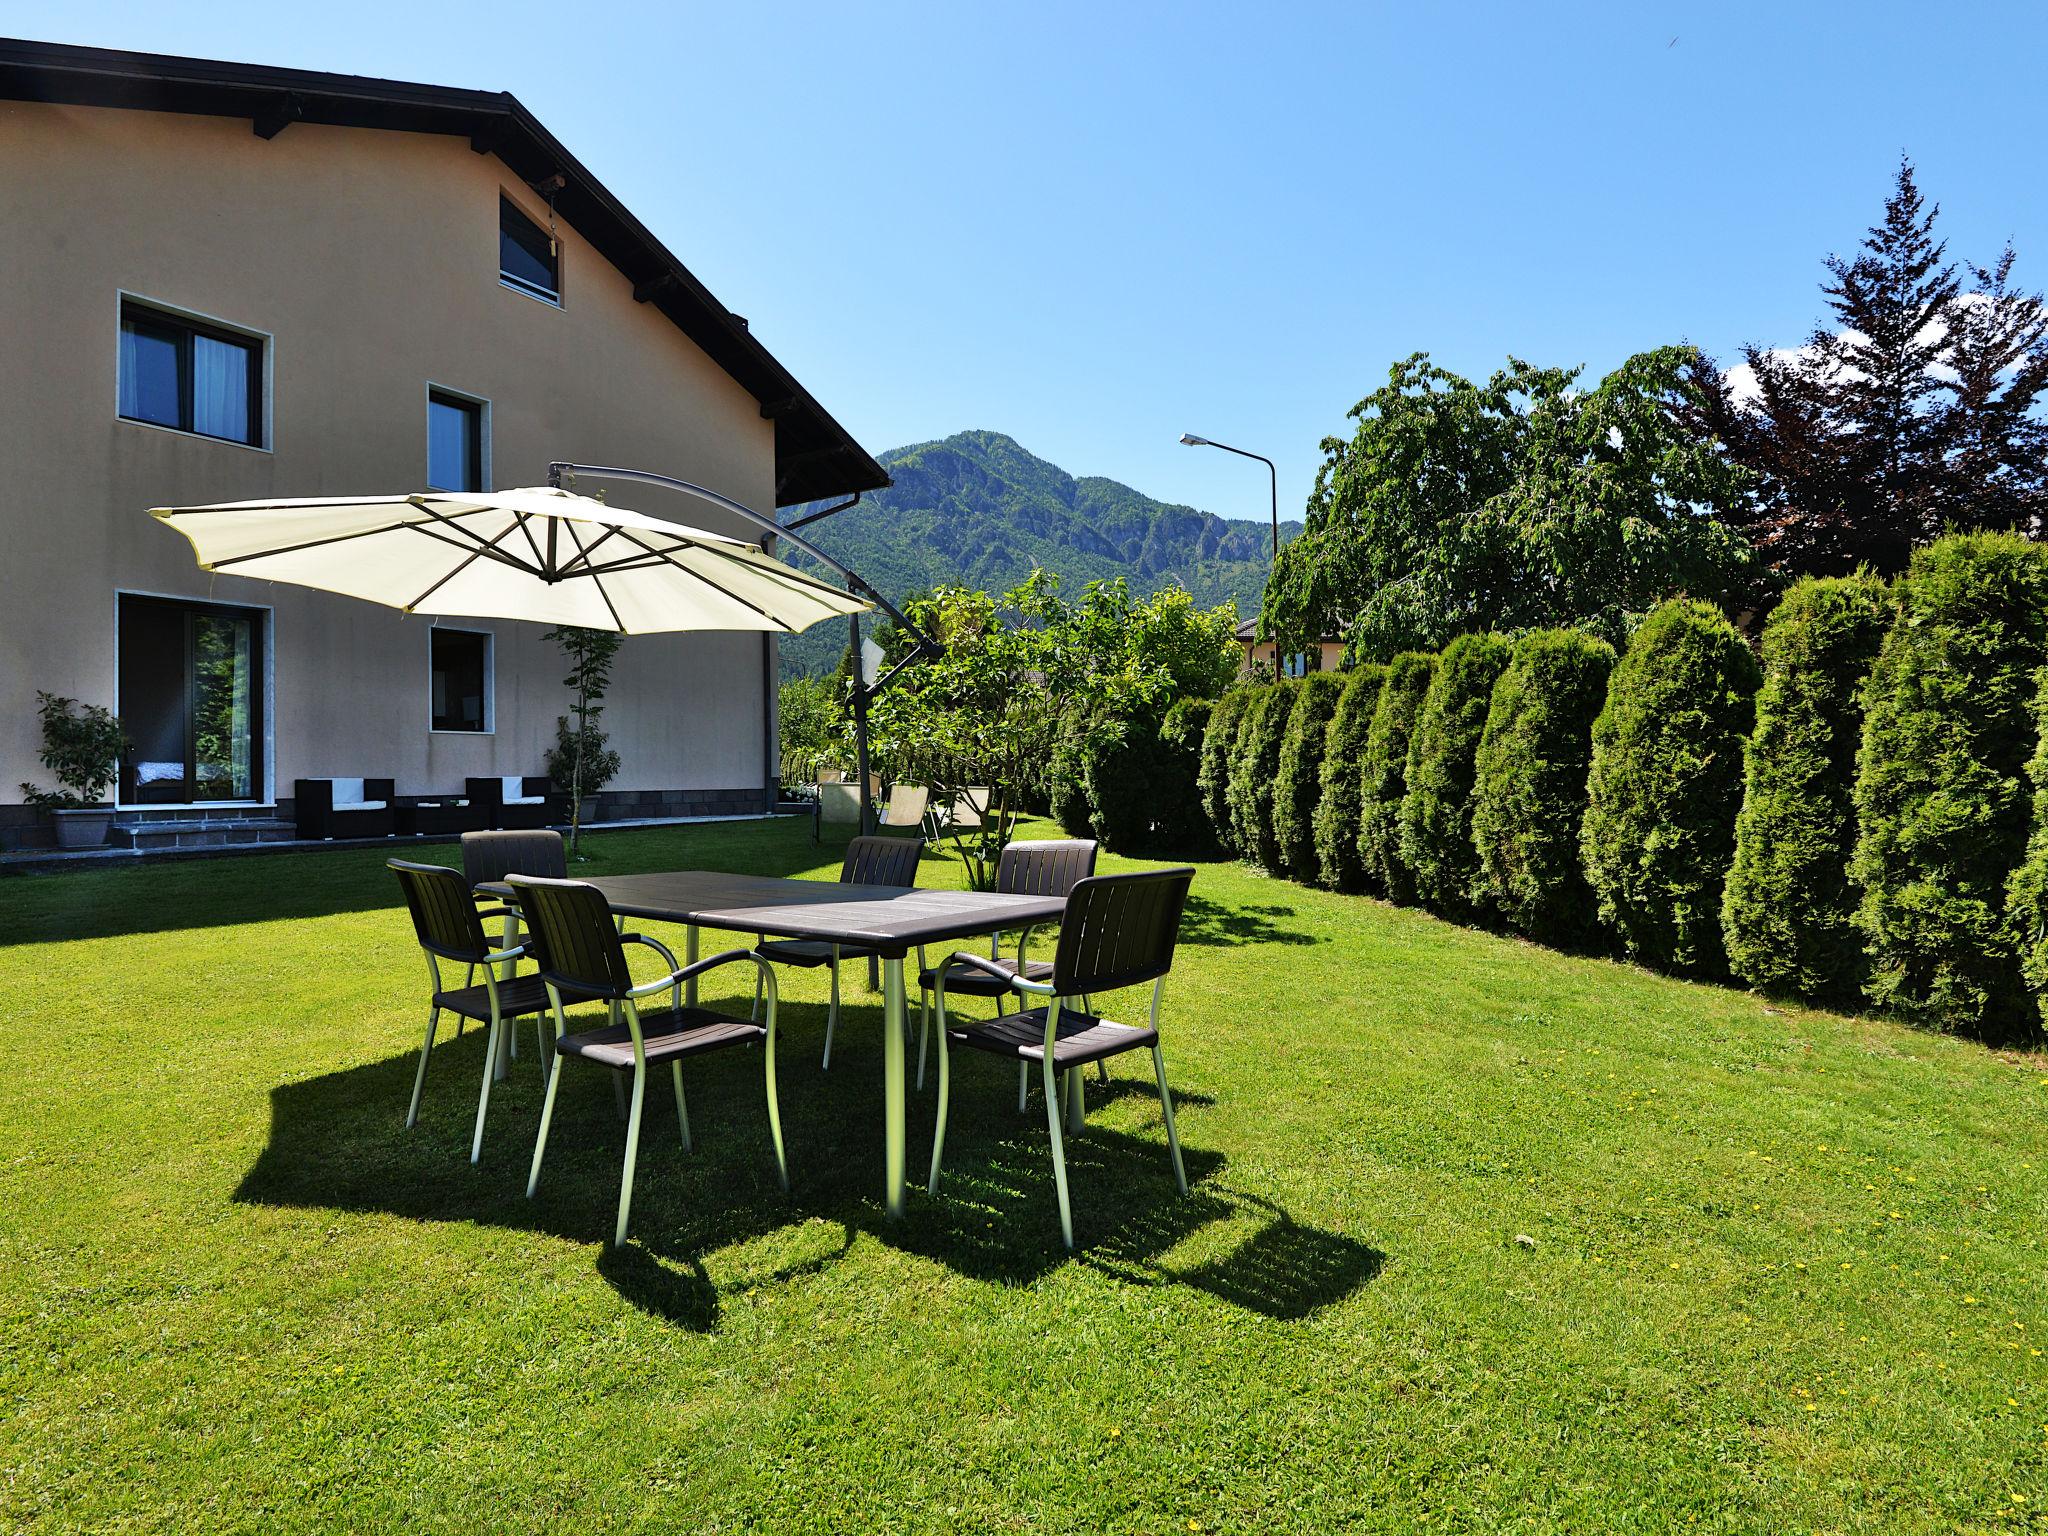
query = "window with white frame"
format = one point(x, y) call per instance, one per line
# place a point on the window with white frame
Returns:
point(459, 667)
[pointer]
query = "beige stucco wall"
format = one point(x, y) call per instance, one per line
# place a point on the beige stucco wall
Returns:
point(371, 259)
point(1331, 653)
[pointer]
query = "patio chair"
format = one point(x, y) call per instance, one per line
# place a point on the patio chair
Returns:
point(1050, 868)
point(1119, 931)
point(325, 809)
point(906, 807)
point(967, 811)
point(584, 958)
point(448, 925)
point(869, 861)
point(513, 802)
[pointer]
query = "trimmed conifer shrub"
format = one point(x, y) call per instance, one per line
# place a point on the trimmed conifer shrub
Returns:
point(1300, 779)
point(1436, 809)
point(1336, 819)
point(2027, 891)
point(1137, 772)
point(1066, 792)
point(1219, 741)
point(1941, 804)
point(1529, 783)
point(1788, 915)
point(1383, 774)
point(1665, 784)
point(1254, 767)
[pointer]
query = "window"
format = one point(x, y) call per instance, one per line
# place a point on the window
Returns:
point(190, 376)
point(191, 701)
point(461, 667)
point(527, 257)
point(455, 442)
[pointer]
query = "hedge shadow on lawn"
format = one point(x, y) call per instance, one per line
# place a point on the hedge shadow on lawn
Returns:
point(338, 1142)
point(1207, 922)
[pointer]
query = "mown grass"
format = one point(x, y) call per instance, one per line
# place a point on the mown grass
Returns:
point(1783, 1270)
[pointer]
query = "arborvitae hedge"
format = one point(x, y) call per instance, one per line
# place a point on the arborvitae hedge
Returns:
point(1788, 916)
point(1665, 785)
point(1254, 767)
point(1140, 780)
point(1219, 740)
point(1336, 818)
point(1529, 789)
point(1065, 789)
point(1436, 810)
point(2027, 891)
point(1941, 804)
point(1383, 774)
point(1300, 779)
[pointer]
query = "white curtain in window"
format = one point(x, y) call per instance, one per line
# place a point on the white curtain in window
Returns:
point(220, 388)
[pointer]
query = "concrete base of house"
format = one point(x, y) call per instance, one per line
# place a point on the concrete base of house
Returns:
point(197, 829)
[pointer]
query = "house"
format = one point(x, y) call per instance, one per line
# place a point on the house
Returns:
point(1259, 652)
point(228, 282)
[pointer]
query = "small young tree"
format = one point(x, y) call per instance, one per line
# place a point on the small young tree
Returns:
point(1436, 809)
point(581, 763)
point(1219, 742)
point(1665, 784)
point(1336, 813)
point(1300, 776)
point(1383, 774)
point(1941, 804)
point(1529, 783)
point(1788, 914)
point(1254, 769)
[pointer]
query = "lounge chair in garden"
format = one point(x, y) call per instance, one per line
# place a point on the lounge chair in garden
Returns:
point(584, 959)
point(1119, 931)
point(967, 811)
point(1050, 868)
point(869, 861)
point(449, 927)
point(329, 808)
point(515, 802)
point(906, 807)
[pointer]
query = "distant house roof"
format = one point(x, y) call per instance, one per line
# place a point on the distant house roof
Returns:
point(815, 457)
point(1248, 633)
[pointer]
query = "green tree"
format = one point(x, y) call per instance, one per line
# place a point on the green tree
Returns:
point(1383, 774)
point(1529, 785)
point(1789, 910)
point(1665, 785)
point(1436, 808)
point(1299, 780)
point(1219, 745)
point(809, 720)
point(581, 763)
point(1337, 810)
point(1941, 804)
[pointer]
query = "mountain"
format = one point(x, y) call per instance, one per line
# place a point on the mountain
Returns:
point(977, 509)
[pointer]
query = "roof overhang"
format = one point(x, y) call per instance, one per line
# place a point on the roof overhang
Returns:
point(815, 457)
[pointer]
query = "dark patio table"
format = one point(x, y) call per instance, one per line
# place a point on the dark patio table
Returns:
point(889, 920)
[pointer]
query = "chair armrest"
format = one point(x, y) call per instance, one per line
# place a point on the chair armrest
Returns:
point(499, 912)
point(499, 956)
point(982, 963)
point(694, 969)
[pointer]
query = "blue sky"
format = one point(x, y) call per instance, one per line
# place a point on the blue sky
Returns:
point(1096, 226)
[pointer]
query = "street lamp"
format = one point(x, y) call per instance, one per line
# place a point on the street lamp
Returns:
point(1188, 439)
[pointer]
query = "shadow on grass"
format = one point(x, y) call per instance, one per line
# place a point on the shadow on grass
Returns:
point(1209, 922)
point(338, 1142)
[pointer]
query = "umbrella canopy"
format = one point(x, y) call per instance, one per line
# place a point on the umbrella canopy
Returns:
point(536, 553)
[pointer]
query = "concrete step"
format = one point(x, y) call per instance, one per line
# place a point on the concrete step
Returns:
point(198, 832)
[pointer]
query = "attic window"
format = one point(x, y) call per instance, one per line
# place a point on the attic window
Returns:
point(527, 259)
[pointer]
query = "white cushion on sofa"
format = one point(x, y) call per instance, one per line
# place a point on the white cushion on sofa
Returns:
point(526, 800)
point(510, 787)
point(359, 805)
point(346, 792)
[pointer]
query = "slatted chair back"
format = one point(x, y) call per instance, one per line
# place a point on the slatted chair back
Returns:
point(1050, 868)
point(443, 912)
point(881, 861)
point(1119, 930)
point(488, 857)
point(579, 943)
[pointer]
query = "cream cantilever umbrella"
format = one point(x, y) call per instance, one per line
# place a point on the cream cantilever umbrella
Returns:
point(538, 553)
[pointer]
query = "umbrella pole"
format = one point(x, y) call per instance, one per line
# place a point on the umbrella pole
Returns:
point(860, 733)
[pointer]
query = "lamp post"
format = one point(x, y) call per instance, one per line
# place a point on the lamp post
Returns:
point(1188, 439)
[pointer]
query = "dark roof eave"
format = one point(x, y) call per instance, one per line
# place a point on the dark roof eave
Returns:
point(816, 457)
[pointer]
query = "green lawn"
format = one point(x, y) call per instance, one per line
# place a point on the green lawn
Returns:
point(1482, 1238)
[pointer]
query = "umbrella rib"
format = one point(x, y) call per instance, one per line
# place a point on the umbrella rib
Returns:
point(456, 570)
point(784, 572)
point(666, 559)
point(292, 549)
point(520, 521)
point(595, 580)
point(583, 555)
point(488, 546)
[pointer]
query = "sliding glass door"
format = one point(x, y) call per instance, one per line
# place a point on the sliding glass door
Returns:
point(191, 701)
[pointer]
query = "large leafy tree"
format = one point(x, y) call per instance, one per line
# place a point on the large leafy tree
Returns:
point(1523, 503)
point(1913, 408)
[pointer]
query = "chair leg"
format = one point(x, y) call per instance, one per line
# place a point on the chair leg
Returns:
point(945, 1104)
point(483, 1099)
point(775, 1103)
point(755, 1012)
point(1180, 1173)
point(1023, 1084)
point(675, 1072)
point(547, 1118)
point(1077, 1108)
point(831, 1012)
point(632, 1155)
point(419, 1079)
point(1059, 1155)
